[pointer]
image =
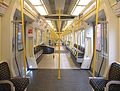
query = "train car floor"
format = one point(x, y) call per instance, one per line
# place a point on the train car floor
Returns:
point(50, 62)
point(71, 80)
point(45, 77)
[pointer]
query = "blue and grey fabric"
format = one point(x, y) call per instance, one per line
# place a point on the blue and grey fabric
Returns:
point(4, 71)
point(5, 87)
point(98, 84)
point(113, 75)
point(19, 83)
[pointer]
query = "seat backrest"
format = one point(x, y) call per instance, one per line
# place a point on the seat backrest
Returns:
point(114, 72)
point(4, 71)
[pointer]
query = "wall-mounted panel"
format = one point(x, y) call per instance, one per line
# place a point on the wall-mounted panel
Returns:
point(3, 9)
point(7, 2)
point(0, 37)
point(116, 9)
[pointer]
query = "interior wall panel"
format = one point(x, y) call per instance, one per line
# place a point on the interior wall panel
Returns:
point(0, 38)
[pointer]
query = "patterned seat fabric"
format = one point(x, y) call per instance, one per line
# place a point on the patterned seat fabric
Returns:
point(4, 71)
point(98, 84)
point(19, 83)
point(5, 87)
point(114, 74)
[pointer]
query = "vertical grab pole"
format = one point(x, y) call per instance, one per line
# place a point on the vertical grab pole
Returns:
point(97, 17)
point(77, 38)
point(74, 34)
point(24, 50)
point(59, 42)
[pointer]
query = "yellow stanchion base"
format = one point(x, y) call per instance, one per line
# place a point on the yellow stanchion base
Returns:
point(59, 78)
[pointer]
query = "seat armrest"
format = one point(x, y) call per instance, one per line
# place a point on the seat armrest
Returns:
point(8, 82)
point(97, 78)
point(110, 83)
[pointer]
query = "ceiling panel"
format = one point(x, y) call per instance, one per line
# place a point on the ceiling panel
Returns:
point(60, 3)
point(66, 7)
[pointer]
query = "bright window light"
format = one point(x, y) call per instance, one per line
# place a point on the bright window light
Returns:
point(68, 24)
point(41, 10)
point(83, 2)
point(49, 22)
point(35, 2)
point(78, 10)
point(90, 8)
point(27, 5)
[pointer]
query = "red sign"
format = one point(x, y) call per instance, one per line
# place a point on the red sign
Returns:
point(30, 31)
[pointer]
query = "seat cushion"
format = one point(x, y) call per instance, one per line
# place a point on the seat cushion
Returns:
point(114, 72)
point(20, 83)
point(4, 71)
point(5, 87)
point(98, 84)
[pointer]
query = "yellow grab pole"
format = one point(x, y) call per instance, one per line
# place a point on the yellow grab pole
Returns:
point(97, 11)
point(59, 43)
point(74, 34)
point(77, 39)
point(24, 50)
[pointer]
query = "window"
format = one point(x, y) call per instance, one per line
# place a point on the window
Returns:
point(83, 38)
point(40, 36)
point(104, 38)
point(19, 37)
point(98, 42)
point(35, 37)
point(101, 44)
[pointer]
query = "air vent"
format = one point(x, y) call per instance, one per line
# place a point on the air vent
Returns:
point(118, 0)
point(116, 9)
point(3, 9)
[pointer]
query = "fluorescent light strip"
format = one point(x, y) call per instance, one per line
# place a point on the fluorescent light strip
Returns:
point(27, 5)
point(44, 6)
point(50, 24)
point(90, 8)
point(84, 2)
point(78, 10)
point(75, 6)
point(41, 10)
point(35, 2)
point(68, 24)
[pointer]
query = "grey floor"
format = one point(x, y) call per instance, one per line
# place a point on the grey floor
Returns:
point(71, 80)
point(45, 77)
point(48, 62)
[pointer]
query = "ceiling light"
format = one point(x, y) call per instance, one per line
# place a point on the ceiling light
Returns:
point(35, 2)
point(41, 10)
point(90, 8)
point(49, 22)
point(68, 24)
point(27, 5)
point(78, 10)
point(83, 2)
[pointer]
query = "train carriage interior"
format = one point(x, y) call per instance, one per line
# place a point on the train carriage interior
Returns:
point(59, 45)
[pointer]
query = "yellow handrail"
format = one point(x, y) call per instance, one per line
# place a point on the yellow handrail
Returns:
point(59, 43)
point(74, 34)
point(23, 39)
point(97, 17)
point(93, 9)
point(77, 39)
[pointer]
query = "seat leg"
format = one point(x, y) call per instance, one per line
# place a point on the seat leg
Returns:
point(25, 89)
point(92, 89)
